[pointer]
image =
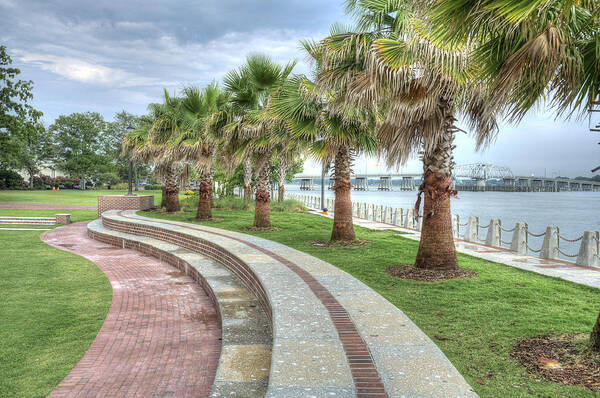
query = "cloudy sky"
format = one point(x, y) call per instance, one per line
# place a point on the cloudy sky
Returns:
point(107, 55)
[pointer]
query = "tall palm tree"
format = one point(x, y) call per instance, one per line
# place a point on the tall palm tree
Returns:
point(531, 51)
point(389, 64)
point(335, 130)
point(167, 126)
point(259, 135)
point(206, 113)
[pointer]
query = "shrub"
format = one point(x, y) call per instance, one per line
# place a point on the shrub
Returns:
point(232, 203)
point(189, 202)
point(10, 180)
point(288, 206)
point(152, 187)
point(120, 186)
point(189, 193)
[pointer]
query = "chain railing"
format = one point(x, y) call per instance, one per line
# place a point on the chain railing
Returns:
point(550, 248)
point(570, 240)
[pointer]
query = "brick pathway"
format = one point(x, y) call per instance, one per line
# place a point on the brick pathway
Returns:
point(161, 336)
point(51, 206)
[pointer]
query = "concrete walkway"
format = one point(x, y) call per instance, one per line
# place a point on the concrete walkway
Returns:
point(50, 206)
point(161, 336)
point(556, 268)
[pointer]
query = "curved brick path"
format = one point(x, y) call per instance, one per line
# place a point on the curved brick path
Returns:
point(161, 336)
point(45, 206)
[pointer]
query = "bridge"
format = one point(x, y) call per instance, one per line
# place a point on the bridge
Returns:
point(479, 177)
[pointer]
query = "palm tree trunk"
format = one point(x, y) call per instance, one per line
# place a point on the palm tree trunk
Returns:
point(205, 195)
point(284, 166)
point(262, 211)
point(247, 179)
point(436, 248)
point(595, 337)
point(172, 190)
point(343, 226)
point(163, 198)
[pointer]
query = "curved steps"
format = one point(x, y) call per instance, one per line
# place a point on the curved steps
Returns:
point(333, 336)
point(245, 359)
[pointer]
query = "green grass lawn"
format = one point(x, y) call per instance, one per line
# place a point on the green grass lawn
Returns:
point(76, 215)
point(52, 305)
point(482, 318)
point(67, 196)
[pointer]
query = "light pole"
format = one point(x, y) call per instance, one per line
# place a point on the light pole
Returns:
point(129, 180)
point(323, 208)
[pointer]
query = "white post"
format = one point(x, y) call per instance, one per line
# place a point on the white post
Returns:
point(370, 215)
point(409, 219)
point(354, 209)
point(363, 211)
point(379, 213)
point(550, 245)
point(471, 233)
point(588, 251)
point(420, 221)
point(388, 215)
point(494, 233)
point(398, 217)
point(519, 239)
point(455, 226)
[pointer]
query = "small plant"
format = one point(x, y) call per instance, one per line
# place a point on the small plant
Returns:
point(189, 193)
point(288, 206)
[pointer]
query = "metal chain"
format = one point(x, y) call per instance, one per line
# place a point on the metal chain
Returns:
point(565, 254)
point(571, 240)
point(485, 226)
point(463, 225)
point(536, 235)
point(506, 243)
point(508, 230)
point(533, 250)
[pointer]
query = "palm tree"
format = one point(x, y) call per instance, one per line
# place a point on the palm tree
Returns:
point(335, 130)
point(531, 50)
point(286, 157)
point(419, 89)
point(166, 128)
point(257, 134)
point(206, 112)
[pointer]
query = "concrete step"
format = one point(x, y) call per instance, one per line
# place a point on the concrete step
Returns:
point(28, 220)
point(244, 364)
point(332, 334)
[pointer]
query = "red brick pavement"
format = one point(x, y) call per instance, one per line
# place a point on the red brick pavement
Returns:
point(51, 206)
point(161, 337)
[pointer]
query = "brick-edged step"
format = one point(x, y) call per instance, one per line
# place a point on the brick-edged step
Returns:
point(332, 334)
point(245, 359)
point(28, 220)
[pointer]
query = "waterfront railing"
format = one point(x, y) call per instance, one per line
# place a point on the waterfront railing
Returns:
point(553, 244)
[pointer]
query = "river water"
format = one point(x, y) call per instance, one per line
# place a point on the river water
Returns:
point(572, 212)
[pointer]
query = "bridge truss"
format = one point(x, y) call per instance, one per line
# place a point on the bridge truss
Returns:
point(482, 171)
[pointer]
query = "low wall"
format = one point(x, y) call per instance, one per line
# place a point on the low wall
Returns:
point(124, 202)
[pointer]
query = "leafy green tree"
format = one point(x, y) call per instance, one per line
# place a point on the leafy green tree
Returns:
point(79, 145)
point(112, 141)
point(20, 129)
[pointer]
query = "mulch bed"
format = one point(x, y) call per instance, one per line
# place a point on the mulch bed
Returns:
point(562, 359)
point(428, 275)
point(256, 229)
point(340, 243)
